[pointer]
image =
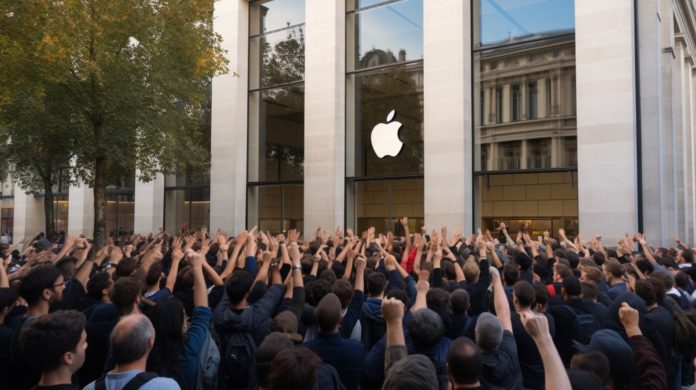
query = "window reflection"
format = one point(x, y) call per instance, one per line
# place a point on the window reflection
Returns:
point(270, 15)
point(276, 134)
point(6, 215)
point(277, 58)
point(386, 34)
point(510, 21)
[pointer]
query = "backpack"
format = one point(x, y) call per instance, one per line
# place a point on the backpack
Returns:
point(685, 330)
point(208, 365)
point(584, 326)
point(134, 384)
point(239, 361)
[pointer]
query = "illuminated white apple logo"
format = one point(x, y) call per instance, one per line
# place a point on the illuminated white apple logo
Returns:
point(385, 137)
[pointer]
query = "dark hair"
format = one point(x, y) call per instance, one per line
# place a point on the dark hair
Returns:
point(646, 290)
point(273, 344)
point(8, 297)
point(522, 260)
point(66, 266)
point(329, 275)
point(573, 259)
point(525, 293)
point(464, 361)
point(294, 369)
point(97, 283)
point(344, 291)
point(167, 318)
point(448, 269)
point(125, 267)
point(511, 274)
point(688, 256)
point(542, 294)
point(400, 294)
point(590, 290)
point(438, 300)
point(36, 281)
point(426, 328)
point(572, 286)
point(599, 258)
point(563, 270)
point(614, 268)
point(460, 301)
point(45, 340)
point(593, 361)
point(376, 283)
point(238, 285)
point(153, 274)
point(682, 280)
point(125, 292)
point(645, 266)
point(319, 289)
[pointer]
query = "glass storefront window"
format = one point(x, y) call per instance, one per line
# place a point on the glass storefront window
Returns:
point(276, 134)
point(511, 21)
point(276, 58)
point(371, 97)
point(276, 208)
point(120, 213)
point(380, 203)
point(271, 15)
point(386, 34)
point(60, 213)
point(186, 209)
point(6, 216)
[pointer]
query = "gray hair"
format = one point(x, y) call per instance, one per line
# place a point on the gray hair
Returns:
point(130, 338)
point(489, 332)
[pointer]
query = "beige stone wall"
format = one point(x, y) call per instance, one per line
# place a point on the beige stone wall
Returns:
point(529, 195)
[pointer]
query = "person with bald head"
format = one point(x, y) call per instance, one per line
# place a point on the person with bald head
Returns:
point(345, 355)
point(131, 342)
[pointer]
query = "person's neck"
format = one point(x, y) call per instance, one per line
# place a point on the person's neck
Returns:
point(471, 386)
point(60, 376)
point(139, 364)
point(650, 307)
point(615, 281)
point(40, 309)
point(241, 305)
point(153, 288)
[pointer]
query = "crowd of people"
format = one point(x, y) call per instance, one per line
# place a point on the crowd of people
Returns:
point(400, 310)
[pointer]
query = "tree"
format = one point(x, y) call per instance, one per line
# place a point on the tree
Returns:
point(135, 72)
point(41, 142)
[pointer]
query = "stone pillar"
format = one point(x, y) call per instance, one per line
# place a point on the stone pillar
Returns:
point(149, 206)
point(447, 114)
point(325, 107)
point(607, 184)
point(229, 120)
point(81, 210)
point(28, 215)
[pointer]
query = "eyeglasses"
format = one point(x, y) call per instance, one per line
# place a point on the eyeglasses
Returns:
point(59, 284)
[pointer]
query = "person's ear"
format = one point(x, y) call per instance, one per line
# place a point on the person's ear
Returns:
point(68, 358)
point(46, 294)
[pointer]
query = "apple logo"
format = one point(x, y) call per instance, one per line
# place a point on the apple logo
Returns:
point(385, 137)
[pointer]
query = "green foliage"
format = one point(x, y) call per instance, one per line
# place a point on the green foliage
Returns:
point(133, 78)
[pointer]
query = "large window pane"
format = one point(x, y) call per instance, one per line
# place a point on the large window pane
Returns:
point(6, 216)
point(120, 208)
point(526, 93)
point(380, 203)
point(542, 201)
point(386, 34)
point(60, 213)
point(276, 58)
point(269, 15)
point(276, 134)
point(176, 211)
point(371, 97)
point(276, 208)
point(509, 21)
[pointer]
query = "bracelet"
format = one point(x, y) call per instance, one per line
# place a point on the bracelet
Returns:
point(296, 266)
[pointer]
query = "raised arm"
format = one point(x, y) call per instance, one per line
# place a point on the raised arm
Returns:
point(500, 301)
point(422, 288)
point(177, 255)
point(200, 292)
point(537, 326)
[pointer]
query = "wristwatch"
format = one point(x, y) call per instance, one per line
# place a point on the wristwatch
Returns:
point(296, 266)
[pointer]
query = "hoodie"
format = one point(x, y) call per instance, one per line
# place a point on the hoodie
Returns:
point(255, 318)
point(373, 326)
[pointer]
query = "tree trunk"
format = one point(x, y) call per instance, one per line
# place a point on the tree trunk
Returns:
point(99, 202)
point(48, 207)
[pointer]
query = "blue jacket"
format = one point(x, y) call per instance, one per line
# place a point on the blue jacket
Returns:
point(345, 355)
point(373, 327)
point(255, 318)
point(196, 336)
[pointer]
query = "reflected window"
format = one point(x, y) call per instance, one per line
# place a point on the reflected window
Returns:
point(515, 101)
point(498, 105)
point(384, 33)
point(539, 153)
point(532, 100)
point(276, 115)
point(384, 75)
point(513, 21)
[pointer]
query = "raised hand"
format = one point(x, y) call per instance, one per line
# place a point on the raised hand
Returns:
point(392, 309)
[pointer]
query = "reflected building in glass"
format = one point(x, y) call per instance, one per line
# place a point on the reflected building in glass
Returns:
point(546, 113)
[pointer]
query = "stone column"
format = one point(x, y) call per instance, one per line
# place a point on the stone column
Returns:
point(149, 206)
point(81, 210)
point(325, 107)
point(607, 184)
point(447, 114)
point(28, 215)
point(229, 120)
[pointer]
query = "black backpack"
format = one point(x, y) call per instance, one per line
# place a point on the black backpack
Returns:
point(133, 384)
point(238, 361)
point(584, 326)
